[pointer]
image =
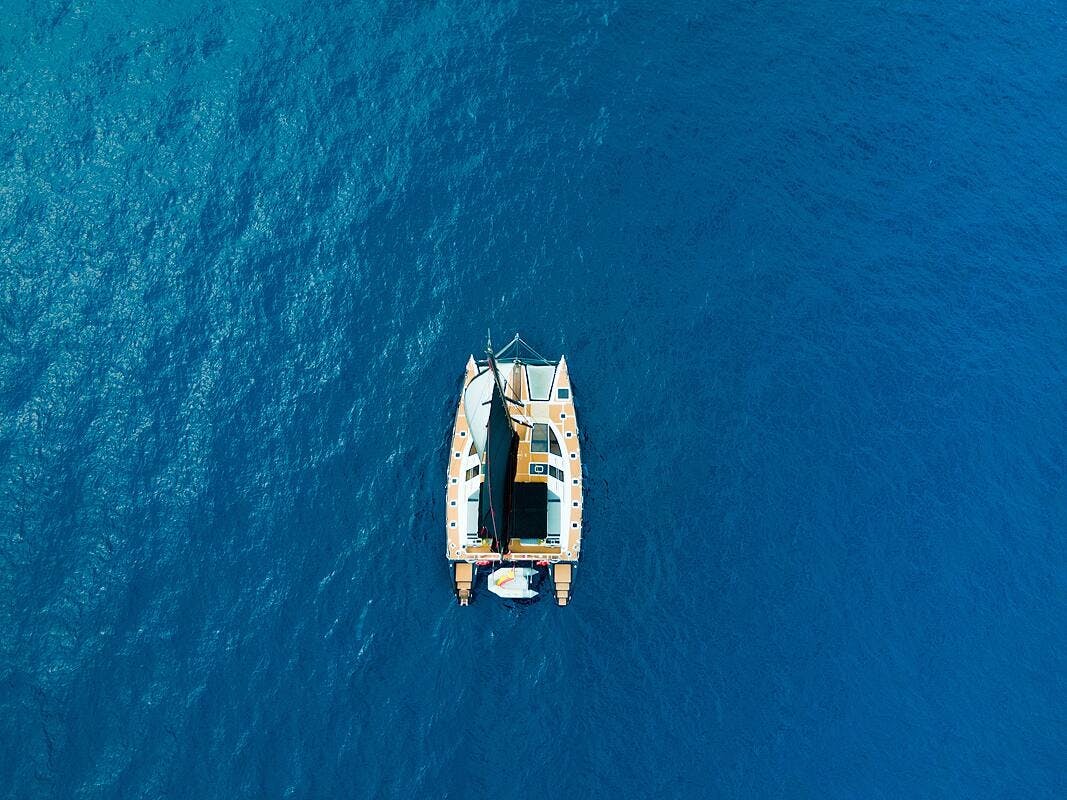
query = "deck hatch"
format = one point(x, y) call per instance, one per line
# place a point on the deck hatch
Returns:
point(540, 379)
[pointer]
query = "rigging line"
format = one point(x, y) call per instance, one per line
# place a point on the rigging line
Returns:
point(510, 344)
point(530, 348)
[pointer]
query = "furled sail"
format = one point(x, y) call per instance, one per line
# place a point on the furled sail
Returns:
point(495, 440)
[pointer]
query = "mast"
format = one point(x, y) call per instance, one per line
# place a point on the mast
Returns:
point(499, 463)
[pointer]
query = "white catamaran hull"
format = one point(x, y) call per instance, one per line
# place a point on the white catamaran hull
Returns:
point(514, 493)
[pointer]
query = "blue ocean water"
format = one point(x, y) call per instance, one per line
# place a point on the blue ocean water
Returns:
point(808, 264)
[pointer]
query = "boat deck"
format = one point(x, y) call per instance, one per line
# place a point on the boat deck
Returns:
point(549, 454)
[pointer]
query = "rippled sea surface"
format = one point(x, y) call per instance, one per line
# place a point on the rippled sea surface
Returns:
point(808, 263)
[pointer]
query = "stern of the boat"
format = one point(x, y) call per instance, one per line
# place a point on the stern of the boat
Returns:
point(464, 579)
point(561, 579)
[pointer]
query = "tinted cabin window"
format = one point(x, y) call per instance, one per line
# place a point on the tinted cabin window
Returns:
point(553, 443)
point(563, 394)
point(539, 440)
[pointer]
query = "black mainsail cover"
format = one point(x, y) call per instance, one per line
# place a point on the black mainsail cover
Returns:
point(501, 447)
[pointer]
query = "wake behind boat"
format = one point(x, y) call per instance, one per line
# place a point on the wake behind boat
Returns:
point(514, 499)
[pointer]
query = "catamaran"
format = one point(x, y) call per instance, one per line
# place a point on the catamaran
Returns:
point(514, 501)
